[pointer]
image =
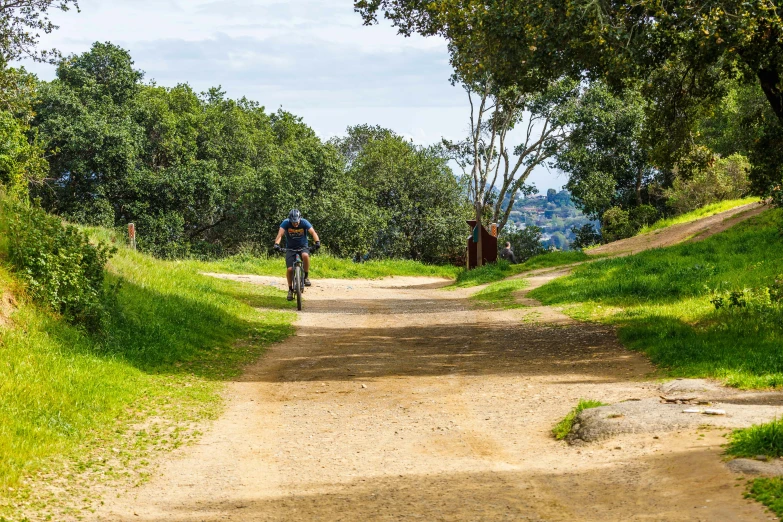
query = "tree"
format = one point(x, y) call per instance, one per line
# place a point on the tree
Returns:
point(606, 157)
point(413, 206)
point(21, 25)
point(498, 168)
point(677, 52)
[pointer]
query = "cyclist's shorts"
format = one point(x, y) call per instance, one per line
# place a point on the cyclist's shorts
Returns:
point(290, 257)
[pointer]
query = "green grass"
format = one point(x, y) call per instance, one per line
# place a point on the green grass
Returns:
point(553, 259)
point(762, 439)
point(705, 211)
point(661, 299)
point(502, 269)
point(325, 266)
point(486, 274)
point(68, 400)
point(768, 491)
point(563, 428)
point(501, 294)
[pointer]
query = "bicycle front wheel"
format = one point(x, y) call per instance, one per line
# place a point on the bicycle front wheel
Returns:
point(298, 283)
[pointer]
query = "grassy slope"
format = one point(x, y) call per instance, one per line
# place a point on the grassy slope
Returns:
point(71, 400)
point(661, 300)
point(705, 211)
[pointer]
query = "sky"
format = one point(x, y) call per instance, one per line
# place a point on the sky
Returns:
point(313, 58)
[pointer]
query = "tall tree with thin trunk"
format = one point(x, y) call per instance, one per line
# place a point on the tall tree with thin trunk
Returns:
point(511, 133)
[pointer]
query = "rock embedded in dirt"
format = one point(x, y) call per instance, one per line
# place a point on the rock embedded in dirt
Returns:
point(690, 388)
point(772, 468)
point(652, 416)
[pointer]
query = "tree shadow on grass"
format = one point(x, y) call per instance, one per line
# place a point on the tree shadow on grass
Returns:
point(163, 333)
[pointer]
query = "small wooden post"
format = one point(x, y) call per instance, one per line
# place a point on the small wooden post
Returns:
point(132, 235)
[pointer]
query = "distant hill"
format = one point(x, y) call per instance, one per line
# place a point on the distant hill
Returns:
point(554, 213)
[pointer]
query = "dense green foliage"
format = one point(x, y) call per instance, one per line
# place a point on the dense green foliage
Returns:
point(706, 309)
point(679, 54)
point(205, 175)
point(724, 179)
point(607, 161)
point(61, 268)
point(617, 223)
point(563, 428)
point(410, 204)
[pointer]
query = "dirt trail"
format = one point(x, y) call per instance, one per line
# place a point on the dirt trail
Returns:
point(399, 400)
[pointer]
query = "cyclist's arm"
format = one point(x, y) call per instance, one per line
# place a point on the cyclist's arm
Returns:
point(280, 234)
point(314, 234)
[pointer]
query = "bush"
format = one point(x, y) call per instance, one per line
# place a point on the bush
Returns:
point(616, 224)
point(724, 178)
point(585, 236)
point(642, 216)
point(61, 268)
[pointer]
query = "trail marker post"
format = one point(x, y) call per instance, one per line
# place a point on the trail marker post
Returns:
point(132, 235)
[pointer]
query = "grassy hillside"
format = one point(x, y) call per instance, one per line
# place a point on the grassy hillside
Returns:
point(665, 303)
point(80, 408)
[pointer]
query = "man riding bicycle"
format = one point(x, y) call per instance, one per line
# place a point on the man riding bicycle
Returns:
point(295, 230)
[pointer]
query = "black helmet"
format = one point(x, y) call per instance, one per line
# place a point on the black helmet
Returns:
point(294, 216)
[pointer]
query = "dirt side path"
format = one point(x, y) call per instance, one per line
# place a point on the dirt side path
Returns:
point(397, 400)
point(693, 231)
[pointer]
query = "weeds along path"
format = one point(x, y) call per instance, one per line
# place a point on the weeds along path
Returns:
point(400, 400)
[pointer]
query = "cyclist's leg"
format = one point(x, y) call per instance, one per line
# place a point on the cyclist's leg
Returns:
point(306, 263)
point(290, 257)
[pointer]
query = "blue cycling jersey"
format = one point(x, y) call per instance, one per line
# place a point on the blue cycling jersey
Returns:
point(296, 237)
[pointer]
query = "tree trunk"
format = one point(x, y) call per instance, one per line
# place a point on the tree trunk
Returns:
point(770, 81)
point(639, 186)
point(479, 244)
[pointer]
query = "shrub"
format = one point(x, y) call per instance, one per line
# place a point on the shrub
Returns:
point(724, 178)
point(616, 224)
point(642, 216)
point(61, 268)
point(585, 236)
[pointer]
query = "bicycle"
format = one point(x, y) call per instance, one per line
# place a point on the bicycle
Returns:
point(297, 282)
